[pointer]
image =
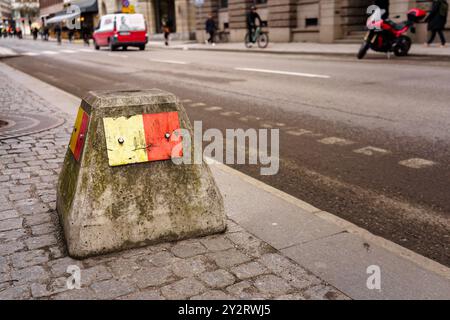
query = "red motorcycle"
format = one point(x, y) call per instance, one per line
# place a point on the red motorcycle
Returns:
point(389, 36)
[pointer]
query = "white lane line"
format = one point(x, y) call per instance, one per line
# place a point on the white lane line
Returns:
point(229, 113)
point(186, 100)
point(298, 133)
point(117, 55)
point(49, 52)
point(213, 108)
point(197, 104)
point(85, 50)
point(68, 51)
point(336, 141)
point(169, 61)
point(370, 151)
point(417, 163)
point(288, 73)
point(31, 54)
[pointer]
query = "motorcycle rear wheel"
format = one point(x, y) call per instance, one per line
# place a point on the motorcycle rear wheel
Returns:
point(402, 47)
point(363, 50)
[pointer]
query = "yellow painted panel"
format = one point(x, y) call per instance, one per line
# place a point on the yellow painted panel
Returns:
point(76, 130)
point(125, 140)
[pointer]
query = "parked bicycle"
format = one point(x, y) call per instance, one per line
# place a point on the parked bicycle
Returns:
point(260, 37)
point(221, 36)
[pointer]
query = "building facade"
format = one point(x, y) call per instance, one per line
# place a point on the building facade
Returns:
point(180, 14)
point(50, 7)
point(24, 13)
point(301, 20)
point(5, 10)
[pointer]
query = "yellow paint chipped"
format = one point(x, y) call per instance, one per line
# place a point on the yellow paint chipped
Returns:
point(129, 131)
point(76, 129)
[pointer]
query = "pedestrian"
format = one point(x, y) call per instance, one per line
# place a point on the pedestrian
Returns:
point(210, 27)
point(166, 25)
point(383, 5)
point(58, 32)
point(437, 19)
point(70, 35)
point(19, 32)
point(35, 33)
point(85, 35)
point(46, 32)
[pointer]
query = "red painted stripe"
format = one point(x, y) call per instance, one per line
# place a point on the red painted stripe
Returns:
point(156, 126)
point(81, 136)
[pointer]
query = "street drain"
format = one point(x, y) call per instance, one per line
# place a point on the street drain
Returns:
point(15, 125)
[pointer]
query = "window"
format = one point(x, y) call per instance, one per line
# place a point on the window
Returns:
point(260, 1)
point(309, 22)
point(223, 4)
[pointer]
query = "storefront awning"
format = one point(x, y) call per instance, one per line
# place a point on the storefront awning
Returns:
point(86, 6)
point(63, 17)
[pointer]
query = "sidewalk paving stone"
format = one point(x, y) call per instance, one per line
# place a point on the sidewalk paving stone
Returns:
point(33, 257)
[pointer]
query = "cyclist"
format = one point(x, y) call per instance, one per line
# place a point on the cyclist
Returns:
point(252, 16)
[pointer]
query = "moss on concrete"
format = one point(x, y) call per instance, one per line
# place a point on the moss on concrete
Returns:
point(109, 208)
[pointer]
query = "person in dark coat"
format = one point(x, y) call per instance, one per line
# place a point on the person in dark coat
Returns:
point(210, 27)
point(383, 5)
point(35, 32)
point(252, 16)
point(437, 19)
point(58, 32)
point(166, 27)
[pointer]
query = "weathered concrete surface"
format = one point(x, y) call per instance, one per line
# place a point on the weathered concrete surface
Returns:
point(105, 208)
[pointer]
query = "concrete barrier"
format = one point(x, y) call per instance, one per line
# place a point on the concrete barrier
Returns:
point(118, 187)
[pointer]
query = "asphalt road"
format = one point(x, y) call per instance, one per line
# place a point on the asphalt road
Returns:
point(349, 130)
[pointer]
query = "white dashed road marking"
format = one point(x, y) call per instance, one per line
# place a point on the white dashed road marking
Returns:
point(49, 52)
point(417, 163)
point(336, 141)
point(169, 61)
point(297, 133)
point(31, 54)
point(370, 151)
point(197, 104)
point(229, 113)
point(213, 108)
point(288, 73)
point(186, 100)
point(68, 51)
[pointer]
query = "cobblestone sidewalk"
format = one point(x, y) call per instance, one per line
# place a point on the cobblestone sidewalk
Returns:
point(33, 259)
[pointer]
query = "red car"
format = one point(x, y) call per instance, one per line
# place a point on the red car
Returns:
point(121, 30)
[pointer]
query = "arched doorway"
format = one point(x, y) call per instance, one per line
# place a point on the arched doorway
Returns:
point(164, 11)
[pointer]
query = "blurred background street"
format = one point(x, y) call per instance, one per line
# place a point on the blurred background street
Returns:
point(365, 140)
